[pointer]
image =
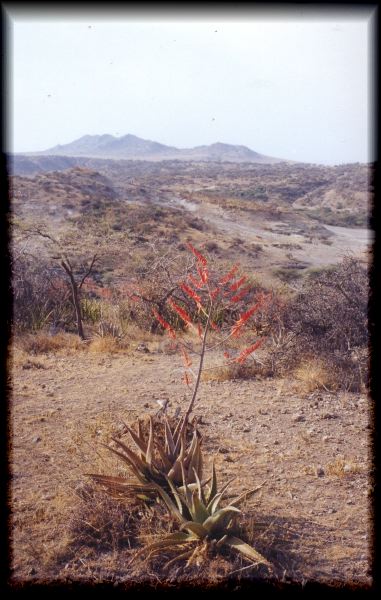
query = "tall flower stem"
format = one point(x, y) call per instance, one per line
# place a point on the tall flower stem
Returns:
point(197, 383)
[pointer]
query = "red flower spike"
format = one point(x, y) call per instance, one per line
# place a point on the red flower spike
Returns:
point(203, 274)
point(200, 258)
point(242, 320)
point(241, 294)
point(181, 312)
point(164, 324)
point(245, 353)
point(214, 293)
point(234, 287)
point(186, 358)
point(199, 284)
point(186, 379)
point(230, 275)
point(191, 293)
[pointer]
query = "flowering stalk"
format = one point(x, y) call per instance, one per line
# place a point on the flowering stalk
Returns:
point(234, 292)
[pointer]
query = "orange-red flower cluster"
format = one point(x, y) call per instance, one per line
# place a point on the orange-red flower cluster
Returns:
point(200, 258)
point(234, 287)
point(180, 311)
point(245, 353)
point(191, 293)
point(164, 324)
point(241, 294)
point(198, 283)
point(186, 358)
point(236, 329)
point(230, 275)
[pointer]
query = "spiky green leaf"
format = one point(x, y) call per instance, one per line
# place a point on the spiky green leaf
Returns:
point(195, 528)
point(198, 509)
point(138, 439)
point(138, 472)
point(219, 521)
point(213, 486)
point(169, 503)
point(245, 549)
point(199, 487)
point(214, 501)
point(169, 441)
point(179, 501)
point(149, 451)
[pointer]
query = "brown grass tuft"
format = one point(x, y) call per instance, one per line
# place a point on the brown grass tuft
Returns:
point(341, 467)
point(313, 374)
point(42, 343)
point(230, 372)
point(105, 344)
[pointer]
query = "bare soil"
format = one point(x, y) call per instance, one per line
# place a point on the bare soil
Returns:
point(312, 517)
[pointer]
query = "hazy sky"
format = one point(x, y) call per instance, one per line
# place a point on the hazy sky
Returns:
point(291, 85)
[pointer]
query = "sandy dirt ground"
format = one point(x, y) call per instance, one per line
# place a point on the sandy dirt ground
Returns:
point(312, 450)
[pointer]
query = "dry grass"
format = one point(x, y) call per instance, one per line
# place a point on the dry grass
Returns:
point(230, 372)
point(42, 343)
point(105, 344)
point(313, 374)
point(341, 467)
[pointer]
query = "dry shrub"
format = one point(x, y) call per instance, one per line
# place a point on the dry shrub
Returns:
point(102, 526)
point(43, 343)
point(106, 344)
point(230, 372)
point(341, 468)
point(327, 319)
point(313, 374)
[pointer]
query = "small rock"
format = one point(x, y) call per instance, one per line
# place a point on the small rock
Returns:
point(325, 438)
point(142, 348)
point(146, 405)
point(36, 439)
point(228, 459)
point(276, 442)
point(329, 416)
point(347, 468)
point(320, 471)
point(298, 418)
point(350, 501)
point(228, 416)
point(32, 571)
point(223, 450)
point(246, 430)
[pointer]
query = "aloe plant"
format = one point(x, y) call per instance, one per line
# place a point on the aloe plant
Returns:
point(196, 508)
point(159, 459)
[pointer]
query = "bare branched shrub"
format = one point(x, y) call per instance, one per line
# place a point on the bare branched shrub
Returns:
point(40, 296)
point(329, 318)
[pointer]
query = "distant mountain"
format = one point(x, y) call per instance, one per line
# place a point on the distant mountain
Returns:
point(131, 147)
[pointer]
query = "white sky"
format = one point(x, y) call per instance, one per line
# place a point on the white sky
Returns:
point(290, 86)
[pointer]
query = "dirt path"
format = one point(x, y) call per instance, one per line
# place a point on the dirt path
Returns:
point(306, 247)
point(311, 449)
